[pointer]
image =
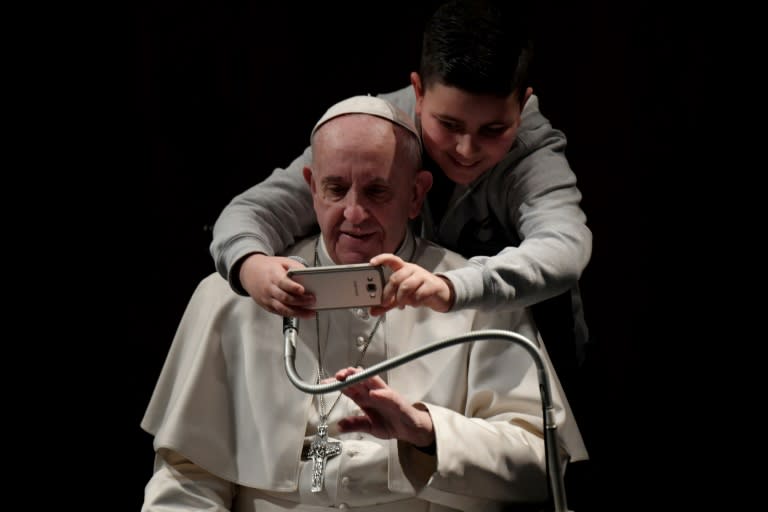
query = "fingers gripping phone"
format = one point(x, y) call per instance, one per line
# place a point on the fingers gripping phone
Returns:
point(342, 286)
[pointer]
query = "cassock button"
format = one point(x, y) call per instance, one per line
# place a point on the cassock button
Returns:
point(345, 481)
point(362, 313)
point(360, 342)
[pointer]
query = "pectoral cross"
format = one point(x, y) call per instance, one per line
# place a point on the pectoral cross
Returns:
point(320, 450)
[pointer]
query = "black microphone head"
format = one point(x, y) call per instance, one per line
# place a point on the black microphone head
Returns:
point(290, 322)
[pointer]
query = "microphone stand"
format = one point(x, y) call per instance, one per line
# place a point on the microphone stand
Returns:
point(553, 466)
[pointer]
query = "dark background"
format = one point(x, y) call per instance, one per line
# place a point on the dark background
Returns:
point(219, 95)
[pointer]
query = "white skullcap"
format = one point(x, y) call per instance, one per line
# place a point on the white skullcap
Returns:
point(370, 105)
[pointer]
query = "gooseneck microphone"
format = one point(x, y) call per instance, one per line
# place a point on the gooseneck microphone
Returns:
point(552, 459)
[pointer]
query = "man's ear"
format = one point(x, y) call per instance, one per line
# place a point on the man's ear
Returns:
point(308, 178)
point(421, 186)
point(418, 90)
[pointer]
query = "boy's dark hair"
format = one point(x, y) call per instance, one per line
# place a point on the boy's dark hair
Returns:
point(480, 46)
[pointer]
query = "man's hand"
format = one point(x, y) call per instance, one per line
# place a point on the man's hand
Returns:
point(266, 281)
point(412, 285)
point(387, 414)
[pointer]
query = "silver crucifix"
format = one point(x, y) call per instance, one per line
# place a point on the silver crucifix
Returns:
point(320, 450)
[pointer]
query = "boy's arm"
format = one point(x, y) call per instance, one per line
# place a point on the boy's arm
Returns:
point(538, 199)
point(266, 218)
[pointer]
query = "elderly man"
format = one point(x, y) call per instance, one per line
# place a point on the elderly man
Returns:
point(458, 429)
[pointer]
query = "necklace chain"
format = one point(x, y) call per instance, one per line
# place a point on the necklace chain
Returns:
point(321, 374)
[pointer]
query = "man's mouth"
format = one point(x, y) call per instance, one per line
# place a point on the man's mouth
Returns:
point(357, 236)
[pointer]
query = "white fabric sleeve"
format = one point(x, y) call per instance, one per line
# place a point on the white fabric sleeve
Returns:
point(494, 450)
point(178, 483)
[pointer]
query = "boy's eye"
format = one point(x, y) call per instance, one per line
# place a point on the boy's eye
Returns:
point(450, 125)
point(493, 131)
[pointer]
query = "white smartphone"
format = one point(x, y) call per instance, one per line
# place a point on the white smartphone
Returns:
point(342, 286)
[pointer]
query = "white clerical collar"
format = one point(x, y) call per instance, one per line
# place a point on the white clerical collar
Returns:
point(405, 251)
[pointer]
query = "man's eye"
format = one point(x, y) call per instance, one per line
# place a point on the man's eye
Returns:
point(379, 194)
point(335, 192)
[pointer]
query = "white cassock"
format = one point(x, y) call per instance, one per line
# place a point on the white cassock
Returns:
point(229, 426)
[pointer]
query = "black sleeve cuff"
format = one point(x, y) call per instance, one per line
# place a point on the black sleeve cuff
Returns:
point(429, 450)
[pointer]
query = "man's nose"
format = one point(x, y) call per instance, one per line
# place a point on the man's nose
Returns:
point(354, 210)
